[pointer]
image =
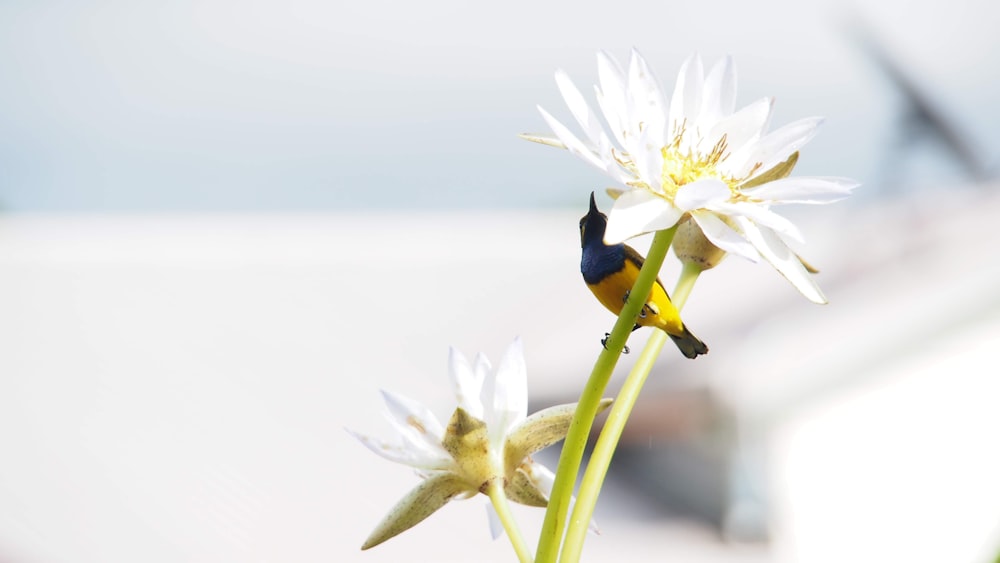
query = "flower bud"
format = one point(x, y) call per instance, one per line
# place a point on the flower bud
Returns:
point(692, 247)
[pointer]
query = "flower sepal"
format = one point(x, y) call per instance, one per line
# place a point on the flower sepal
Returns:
point(468, 442)
point(425, 499)
point(781, 170)
point(539, 431)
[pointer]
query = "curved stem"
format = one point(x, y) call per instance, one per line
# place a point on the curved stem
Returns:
point(600, 459)
point(550, 538)
point(500, 504)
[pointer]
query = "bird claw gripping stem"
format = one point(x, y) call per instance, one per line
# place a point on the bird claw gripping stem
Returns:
point(604, 342)
point(642, 312)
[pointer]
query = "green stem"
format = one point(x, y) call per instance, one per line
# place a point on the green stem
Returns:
point(689, 275)
point(600, 459)
point(500, 504)
point(550, 539)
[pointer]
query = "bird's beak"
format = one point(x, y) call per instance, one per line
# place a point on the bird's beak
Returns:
point(593, 205)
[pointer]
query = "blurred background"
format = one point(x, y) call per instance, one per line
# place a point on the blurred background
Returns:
point(224, 226)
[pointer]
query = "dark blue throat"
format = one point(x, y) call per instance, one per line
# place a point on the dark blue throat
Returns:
point(598, 260)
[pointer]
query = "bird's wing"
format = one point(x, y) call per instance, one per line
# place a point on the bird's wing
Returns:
point(634, 257)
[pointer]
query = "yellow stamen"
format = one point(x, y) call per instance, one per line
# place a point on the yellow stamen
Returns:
point(680, 168)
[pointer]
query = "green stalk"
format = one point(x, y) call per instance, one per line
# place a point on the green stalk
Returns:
point(600, 459)
point(550, 539)
point(495, 491)
point(689, 275)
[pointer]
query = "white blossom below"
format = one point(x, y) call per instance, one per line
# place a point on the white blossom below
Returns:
point(489, 437)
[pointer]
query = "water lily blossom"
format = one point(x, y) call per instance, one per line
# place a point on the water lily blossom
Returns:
point(695, 158)
point(487, 442)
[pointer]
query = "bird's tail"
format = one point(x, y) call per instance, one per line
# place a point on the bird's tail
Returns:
point(689, 344)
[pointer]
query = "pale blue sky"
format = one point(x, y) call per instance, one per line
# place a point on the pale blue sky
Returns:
point(225, 105)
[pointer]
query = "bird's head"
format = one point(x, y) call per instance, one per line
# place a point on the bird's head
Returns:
point(592, 225)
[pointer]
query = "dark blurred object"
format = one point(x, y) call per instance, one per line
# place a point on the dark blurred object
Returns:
point(681, 450)
point(923, 118)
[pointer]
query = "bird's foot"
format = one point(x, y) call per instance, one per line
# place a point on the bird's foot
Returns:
point(604, 342)
point(642, 312)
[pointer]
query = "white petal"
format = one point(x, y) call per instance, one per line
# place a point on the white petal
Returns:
point(648, 158)
point(804, 189)
point(510, 394)
point(647, 120)
point(415, 423)
point(602, 160)
point(777, 253)
point(637, 212)
point(777, 146)
point(401, 453)
point(544, 479)
point(611, 95)
point(587, 119)
point(649, 105)
point(722, 235)
point(701, 193)
point(719, 96)
point(541, 475)
point(739, 129)
point(482, 367)
point(762, 216)
point(686, 102)
point(574, 145)
point(412, 415)
point(467, 383)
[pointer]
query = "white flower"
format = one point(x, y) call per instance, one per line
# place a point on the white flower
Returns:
point(489, 437)
point(696, 157)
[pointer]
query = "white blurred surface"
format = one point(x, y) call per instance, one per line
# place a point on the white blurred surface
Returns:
point(176, 387)
point(903, 468)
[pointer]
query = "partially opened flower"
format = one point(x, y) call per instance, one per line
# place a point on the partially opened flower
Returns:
point(488, 440)
point(696, 158)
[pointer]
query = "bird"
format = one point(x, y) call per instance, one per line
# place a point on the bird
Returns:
point(610, 272)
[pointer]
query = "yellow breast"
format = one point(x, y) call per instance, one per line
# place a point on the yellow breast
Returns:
point(658, 312)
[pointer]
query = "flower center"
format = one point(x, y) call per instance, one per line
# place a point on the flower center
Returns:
point(680, 167)
point(683, 165)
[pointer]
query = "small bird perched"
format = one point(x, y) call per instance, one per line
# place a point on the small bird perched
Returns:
point(610, 273)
